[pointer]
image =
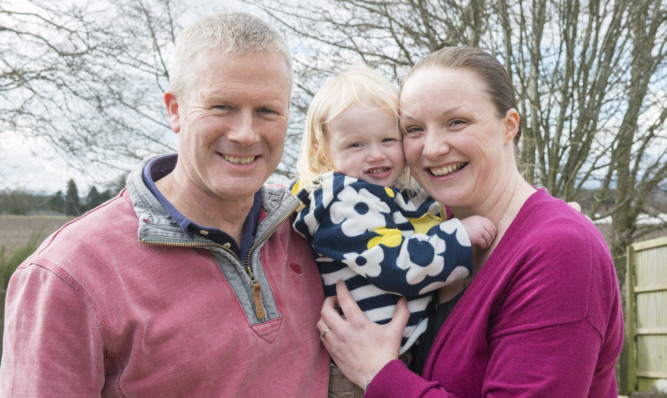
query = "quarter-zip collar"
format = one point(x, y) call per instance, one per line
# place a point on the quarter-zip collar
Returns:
point(157, 226)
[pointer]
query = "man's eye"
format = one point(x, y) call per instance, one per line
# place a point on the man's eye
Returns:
point(267, 110)
point(220, 106)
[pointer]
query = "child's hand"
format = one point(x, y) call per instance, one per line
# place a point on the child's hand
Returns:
point(481, 231)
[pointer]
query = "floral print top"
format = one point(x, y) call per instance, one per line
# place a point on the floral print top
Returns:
point(384, 243)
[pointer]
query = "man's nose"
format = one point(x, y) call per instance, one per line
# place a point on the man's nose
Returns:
point(244, 131)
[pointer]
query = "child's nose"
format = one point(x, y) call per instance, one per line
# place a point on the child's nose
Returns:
point(376, 154)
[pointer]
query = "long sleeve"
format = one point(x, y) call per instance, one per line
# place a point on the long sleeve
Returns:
point(396, 241)
point(48, 314)
point(542, 318)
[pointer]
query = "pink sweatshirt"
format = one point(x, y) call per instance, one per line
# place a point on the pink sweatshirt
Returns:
point(542, 318)
point(95, 312)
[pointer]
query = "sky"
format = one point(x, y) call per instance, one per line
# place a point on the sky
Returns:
point(33, 166)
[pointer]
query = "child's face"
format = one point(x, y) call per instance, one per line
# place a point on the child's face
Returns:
point(365, 143)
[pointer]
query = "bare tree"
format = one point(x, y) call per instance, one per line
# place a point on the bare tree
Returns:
point(640, 168)
point(88, 79)
point(590, 79)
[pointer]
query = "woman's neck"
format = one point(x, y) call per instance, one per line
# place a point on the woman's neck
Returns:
point(500, 202)
point(501, 205)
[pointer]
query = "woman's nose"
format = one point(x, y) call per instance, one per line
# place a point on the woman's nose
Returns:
point(435, 144)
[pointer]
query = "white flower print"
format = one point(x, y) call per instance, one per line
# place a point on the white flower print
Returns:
point(365, 215)
point(454, 225)
point(368, 264)
point(422, 260)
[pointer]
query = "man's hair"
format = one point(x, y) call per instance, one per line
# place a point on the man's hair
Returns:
point(229, 33)
point(358, 84)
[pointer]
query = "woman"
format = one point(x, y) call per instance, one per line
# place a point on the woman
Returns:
point(542, 314)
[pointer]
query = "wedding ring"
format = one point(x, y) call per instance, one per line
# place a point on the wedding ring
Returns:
point(324, 332)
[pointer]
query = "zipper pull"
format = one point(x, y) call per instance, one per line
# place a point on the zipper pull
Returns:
point(256, 293)
point(257, 296)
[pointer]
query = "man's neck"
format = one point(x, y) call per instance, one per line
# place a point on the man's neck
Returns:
point(226, 214)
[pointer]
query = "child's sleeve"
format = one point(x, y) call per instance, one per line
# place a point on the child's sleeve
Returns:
point(397, 242)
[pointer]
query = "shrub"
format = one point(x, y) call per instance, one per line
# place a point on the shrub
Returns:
point(8, 264)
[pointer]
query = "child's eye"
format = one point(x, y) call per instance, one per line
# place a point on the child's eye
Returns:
point(388, 139)
point(355, 145)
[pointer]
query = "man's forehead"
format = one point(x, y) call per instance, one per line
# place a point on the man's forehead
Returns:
point(258, 72)
point(272, 58)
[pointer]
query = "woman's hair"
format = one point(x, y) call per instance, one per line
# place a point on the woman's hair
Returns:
point(229, 33)
point(498, 84)
point(356, 85)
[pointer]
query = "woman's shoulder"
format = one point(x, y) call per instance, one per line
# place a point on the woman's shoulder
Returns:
point(552, 218)
point(548, 238)
point(555, 252)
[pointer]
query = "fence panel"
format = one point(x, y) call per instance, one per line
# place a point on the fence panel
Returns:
point(646, 314)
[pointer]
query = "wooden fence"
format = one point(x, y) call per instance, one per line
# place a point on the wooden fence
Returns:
point(645, 347)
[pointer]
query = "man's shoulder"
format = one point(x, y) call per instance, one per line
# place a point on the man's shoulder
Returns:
point(86, 244)
point(115, 210)
point(111, 218)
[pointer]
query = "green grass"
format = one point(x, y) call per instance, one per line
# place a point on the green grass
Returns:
point(10, 261)
point(8, 264)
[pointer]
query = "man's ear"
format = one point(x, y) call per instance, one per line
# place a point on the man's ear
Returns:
point(172, 111)
point(511, 121)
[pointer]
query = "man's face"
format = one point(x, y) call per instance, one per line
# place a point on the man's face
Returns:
point(232, 122)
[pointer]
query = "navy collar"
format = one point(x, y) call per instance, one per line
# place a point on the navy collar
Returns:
point(163, 165)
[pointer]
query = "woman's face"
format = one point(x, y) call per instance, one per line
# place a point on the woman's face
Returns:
point(455, 143)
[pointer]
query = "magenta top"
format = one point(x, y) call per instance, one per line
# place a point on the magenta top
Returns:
point(542, 318)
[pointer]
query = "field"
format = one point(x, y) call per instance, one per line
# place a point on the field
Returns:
point(16, 231)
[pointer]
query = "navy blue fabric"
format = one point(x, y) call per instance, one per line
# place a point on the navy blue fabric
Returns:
point(163, 165)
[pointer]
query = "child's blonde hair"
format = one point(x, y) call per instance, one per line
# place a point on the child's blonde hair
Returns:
point(357, 84)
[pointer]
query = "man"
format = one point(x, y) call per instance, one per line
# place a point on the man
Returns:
point(217, 297)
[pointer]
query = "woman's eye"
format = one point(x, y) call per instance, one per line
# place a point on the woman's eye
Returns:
point(220, 106)
point(412, 129)
point(457, 122)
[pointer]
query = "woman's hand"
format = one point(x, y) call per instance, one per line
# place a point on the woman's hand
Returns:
point(359, 347)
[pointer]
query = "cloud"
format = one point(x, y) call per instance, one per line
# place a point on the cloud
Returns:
point(33, 165)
